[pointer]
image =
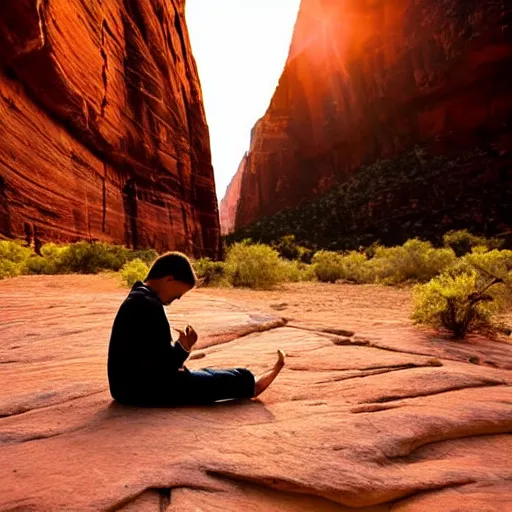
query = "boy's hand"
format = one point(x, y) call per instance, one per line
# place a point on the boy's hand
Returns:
point(187, 338)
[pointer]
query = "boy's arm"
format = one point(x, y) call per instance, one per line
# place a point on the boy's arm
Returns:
point(167, 355)
point(178, 354)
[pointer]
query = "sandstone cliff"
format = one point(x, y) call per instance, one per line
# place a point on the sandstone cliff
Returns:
point(103, 130)
point(371, 80)
point(228, 205)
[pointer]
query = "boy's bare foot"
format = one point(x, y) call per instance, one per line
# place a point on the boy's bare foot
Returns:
point(264, 380)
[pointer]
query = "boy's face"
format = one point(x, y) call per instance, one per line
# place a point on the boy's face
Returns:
point(173, 290)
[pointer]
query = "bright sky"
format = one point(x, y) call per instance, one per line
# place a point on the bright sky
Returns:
point(240, 47)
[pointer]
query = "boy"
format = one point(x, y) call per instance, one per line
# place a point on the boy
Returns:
point(146, 368)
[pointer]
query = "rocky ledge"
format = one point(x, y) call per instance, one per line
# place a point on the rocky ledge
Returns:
point(385, 418)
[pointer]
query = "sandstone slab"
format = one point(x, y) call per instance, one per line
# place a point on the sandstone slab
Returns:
point(344, 427)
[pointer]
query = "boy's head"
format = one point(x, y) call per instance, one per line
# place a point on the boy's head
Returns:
point(171, 275)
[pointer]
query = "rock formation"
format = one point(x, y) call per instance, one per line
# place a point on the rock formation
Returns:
point(391, 418)
point(103, 130)
point(368, 80)
point(229, 203)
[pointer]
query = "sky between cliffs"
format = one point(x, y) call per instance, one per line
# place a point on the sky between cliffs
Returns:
point(240, 47)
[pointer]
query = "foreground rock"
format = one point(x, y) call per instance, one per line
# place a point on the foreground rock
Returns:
point(373, 423)
point(104, 134)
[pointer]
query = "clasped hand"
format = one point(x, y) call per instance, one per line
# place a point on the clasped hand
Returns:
point(187, 338)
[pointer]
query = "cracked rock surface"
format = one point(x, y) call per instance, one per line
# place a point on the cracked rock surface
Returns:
point(393, 418)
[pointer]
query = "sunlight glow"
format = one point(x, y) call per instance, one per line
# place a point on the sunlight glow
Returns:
point(240, 47)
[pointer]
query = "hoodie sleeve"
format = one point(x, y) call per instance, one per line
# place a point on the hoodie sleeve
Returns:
point(152, 334)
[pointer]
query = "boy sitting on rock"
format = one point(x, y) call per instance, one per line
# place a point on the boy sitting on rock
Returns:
point(145, 367)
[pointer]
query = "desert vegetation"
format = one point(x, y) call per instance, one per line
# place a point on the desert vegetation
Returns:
point(462, 285)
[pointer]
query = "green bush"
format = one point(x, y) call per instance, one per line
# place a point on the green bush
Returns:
point(50, 261)
point(415, 261)
point(91, 257)
point(356, 268)
point(15, 251)
point(462, 242)
point(14, 255)
point(210, 272)
point(10, 269)
point(254, 266)
point(148, 256)
point(328, 266)
point(491, 265)
point(352, 267)
point(41, 265)
point(297, 271)
point(288, 248)
point(495, 262)
point(456, 302)
point(134, 270)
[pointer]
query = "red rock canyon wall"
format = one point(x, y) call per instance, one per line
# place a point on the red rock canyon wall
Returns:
point(103, 129)
point(371, 79)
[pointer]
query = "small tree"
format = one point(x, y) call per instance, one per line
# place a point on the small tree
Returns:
point(456, 302)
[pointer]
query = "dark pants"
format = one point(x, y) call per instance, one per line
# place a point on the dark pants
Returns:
point(199, 387)
point(207, 385)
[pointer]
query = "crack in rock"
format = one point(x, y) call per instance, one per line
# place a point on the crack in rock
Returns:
point(394, 398)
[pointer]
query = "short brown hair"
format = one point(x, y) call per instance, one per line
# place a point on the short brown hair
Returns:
point(174, 264)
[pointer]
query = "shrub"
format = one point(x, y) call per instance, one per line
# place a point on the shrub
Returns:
point(91, 257)
point(14, 255)
point(455, 301)
point(495, 262)
point(210, 272)
point(50, 261)
point(40, 265)
point(307, 272)
point(355, 267)
point(134, 270)
point(15, 251)
point(253, 266)
point(352, 266)
point(415, 261)
point(462, 241)
point(82, 257)
point(491, 265)
point(327, 266)
point(10, 268)
point(289, 249)
point(296, 271)
point(371, 249)
point(148, 256)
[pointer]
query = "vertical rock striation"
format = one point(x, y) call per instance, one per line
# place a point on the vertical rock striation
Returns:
point(103, 129)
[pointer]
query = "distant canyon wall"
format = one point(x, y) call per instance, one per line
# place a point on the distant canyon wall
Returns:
point(373, 79)
point(103, 132)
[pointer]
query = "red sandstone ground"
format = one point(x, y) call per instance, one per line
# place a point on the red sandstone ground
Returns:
point(392, 418)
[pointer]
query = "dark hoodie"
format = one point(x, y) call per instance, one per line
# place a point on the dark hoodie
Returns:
point(142, 357)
